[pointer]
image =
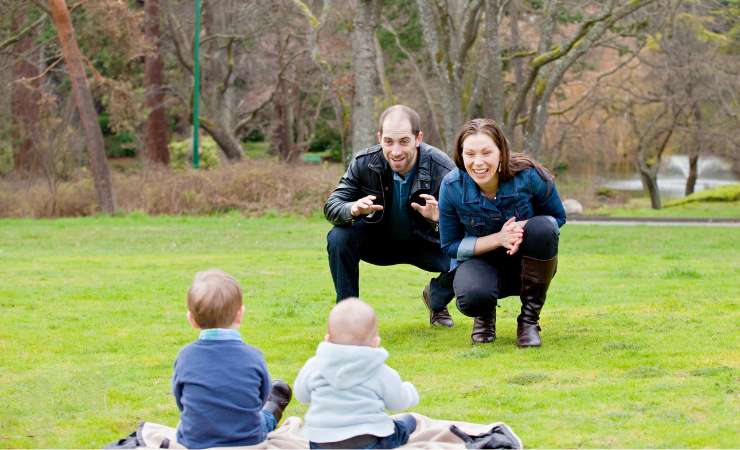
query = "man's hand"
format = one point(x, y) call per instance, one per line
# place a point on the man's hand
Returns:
point(430, 210)
point(364, 206)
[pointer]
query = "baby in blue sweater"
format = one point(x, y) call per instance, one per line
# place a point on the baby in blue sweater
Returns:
point(221, 385)
point(349, 386)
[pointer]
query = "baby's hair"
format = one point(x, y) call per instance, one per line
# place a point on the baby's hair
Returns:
point(352, 322)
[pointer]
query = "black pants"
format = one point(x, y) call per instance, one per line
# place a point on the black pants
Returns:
point(361, 241)
point(480, 281)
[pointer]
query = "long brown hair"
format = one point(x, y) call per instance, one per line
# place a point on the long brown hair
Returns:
point(510, 163)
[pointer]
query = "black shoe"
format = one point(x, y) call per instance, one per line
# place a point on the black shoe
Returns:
point(441, 318)
point(280, 396)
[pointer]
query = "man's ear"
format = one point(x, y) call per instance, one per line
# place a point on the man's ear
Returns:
point(419, 138)
point(192, 321)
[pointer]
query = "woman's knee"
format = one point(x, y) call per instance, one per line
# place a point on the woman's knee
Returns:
point(541, 236)
point(476, 301)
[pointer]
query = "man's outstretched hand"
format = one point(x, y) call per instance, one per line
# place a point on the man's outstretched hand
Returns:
point(364, 206)
point(430, 210)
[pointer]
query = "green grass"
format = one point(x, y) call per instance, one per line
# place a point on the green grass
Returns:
point(722, 202)
point(640, 330)
point(699, 209)
point(730, 193)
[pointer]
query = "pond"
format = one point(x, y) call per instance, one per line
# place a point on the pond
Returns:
point(713, 172)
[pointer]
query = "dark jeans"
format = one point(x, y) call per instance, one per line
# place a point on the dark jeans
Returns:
point(480, 281)
point(404, 426)
point(268, 422)
point(361, 241)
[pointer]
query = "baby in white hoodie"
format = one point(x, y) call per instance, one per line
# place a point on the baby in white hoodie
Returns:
point(349, 386)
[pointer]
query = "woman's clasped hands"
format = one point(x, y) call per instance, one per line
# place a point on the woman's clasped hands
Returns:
point(511, 235)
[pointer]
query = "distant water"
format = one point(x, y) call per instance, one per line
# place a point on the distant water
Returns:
point(712, 172)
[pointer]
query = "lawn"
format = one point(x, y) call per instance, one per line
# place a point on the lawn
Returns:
point(640, 330)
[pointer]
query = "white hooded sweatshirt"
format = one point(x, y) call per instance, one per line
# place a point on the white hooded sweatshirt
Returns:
point(349, 388)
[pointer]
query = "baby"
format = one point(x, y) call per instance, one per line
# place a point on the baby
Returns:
point(349, 386)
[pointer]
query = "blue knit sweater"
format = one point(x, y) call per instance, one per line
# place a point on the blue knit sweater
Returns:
point(220, 387)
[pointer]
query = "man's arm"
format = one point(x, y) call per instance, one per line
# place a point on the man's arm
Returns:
point(338, 207)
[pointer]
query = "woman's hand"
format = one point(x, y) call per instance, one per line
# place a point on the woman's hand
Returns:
point(511, 236)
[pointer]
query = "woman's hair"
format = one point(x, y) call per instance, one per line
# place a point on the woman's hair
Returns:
point(510, 163)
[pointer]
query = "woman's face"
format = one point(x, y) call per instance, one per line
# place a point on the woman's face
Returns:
point(481, 158)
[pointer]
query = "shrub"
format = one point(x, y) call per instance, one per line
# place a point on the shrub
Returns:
point(6, 160)
point(181, 153)
point(729, 193)
point(328, 140)
point(252, 187)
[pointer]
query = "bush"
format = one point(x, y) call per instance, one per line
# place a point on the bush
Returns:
point(181, 153)
point(729, 193)
point(326, 139)
point(117, 145)
point(6, 160)
point(251, 187)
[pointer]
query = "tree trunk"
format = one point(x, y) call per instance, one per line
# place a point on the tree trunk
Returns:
point(694, 151)
point(363, 66)
point(156, 123)
point(224, 139)
point(23, 103)
point(494, 107)
point(85, 106)
point(650, 183)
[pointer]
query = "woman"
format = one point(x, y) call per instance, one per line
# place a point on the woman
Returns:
point(500, 218)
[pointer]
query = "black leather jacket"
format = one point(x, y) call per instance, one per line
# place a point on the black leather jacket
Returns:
point(370, 174)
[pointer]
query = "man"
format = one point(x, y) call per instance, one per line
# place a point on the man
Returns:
point(385, 211)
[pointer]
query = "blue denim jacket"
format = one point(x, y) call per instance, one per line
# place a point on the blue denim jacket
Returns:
point(466, 214)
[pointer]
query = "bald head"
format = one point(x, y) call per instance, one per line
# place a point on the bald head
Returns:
point(353, 322)
point(400, 114)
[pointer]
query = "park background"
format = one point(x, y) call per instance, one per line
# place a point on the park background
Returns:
point(632, 104)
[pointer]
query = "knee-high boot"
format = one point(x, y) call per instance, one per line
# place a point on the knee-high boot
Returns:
point(536, 276)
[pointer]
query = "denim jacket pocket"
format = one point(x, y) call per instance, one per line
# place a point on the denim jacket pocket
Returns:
point(482, 224)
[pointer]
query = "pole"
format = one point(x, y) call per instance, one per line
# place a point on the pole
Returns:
point(196, 86)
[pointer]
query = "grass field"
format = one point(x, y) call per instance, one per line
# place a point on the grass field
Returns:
point(640, 330)
point(641, 208)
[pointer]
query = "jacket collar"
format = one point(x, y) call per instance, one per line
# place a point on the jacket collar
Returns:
point(423, 166)
point(472, 193)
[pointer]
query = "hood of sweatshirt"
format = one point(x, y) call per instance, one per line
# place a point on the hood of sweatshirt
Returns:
point(345, 366)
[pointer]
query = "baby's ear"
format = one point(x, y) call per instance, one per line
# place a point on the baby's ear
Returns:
point(376, 341)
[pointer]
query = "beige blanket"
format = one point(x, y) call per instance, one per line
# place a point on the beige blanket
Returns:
point(429, 434)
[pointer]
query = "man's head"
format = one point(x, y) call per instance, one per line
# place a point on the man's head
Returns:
point(399, 134)
point(353, 322)
point(215, 300)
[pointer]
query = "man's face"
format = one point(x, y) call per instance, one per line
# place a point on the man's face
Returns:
point(399, 144)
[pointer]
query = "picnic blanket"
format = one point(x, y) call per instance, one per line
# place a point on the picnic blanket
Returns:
point(429, 434)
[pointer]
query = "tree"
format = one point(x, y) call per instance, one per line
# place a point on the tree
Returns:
point(85, 107)
point(156, 123)
point(364, 68)
point(25, 96)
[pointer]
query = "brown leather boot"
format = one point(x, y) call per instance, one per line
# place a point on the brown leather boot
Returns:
point(441, 318)
point(278, 400)
point(536, 276)
point(484, 329)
